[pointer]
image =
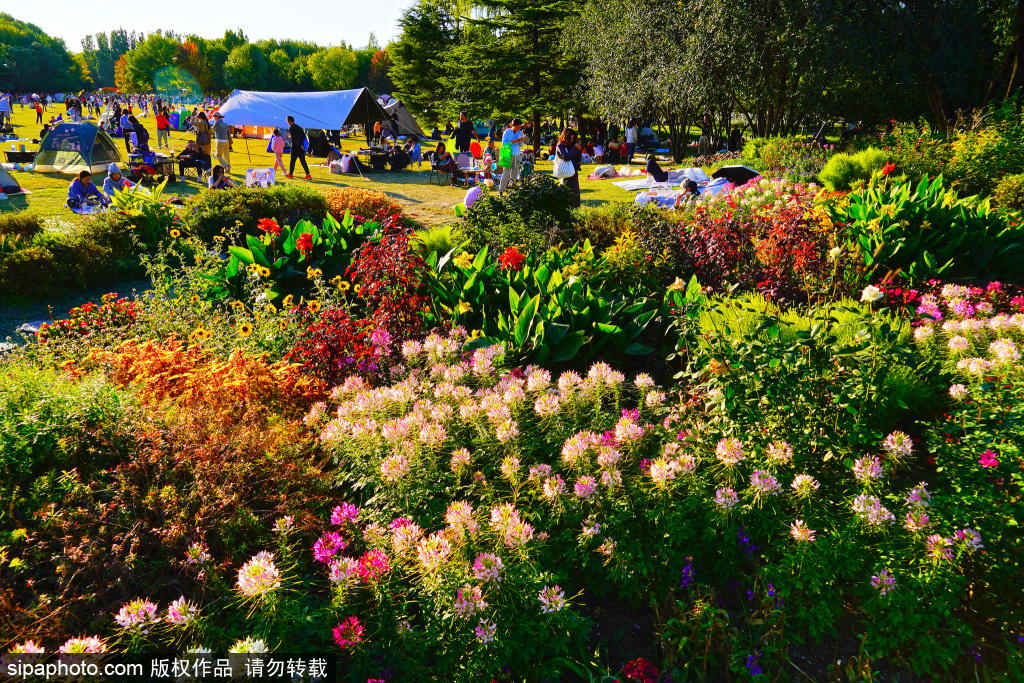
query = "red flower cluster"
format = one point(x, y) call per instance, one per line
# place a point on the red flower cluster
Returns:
point(511, 259)
point(89, 318)
point(270, 226)
point(333, 347)
point(888, 168)
point(305, 244)
point(640, 670)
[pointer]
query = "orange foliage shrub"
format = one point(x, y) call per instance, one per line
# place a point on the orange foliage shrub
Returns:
point(359, 202)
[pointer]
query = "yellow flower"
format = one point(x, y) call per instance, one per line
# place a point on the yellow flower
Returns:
point(464, 308)
point(175, 233)
point(677, 286)
point(358, 287)
point(272, 308)
point(476, 334)
point(287, 303)
point(283, 324)
point(344, 286)
point(223, 231)
point(257, 317)
point(245, 329)
point(313, 306)
point(312, 272)
point(133, 227)
point(194, 299)
point(236, 304)
point(926, 225)
point(218, 238)
point(238, 223)
point(463, 260)
point(336, 280)
point(264, 271)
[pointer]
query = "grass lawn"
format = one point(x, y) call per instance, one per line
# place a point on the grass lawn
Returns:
point(427, 202)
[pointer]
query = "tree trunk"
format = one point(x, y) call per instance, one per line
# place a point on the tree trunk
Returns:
point(1012, 71)
point(942, 108)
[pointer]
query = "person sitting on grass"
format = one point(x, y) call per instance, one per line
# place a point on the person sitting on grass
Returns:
point(82, 191)
point(114, 181)
point(654, 171)
point(219, 181)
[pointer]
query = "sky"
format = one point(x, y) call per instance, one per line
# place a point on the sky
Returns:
point(325, 22)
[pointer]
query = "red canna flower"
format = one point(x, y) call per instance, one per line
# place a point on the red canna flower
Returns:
point(511, 259)
point(269, 225)
point(305, 244)
point(888, 168)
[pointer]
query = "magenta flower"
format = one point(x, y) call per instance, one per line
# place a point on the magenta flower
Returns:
point(329, 545)
point(373, 565)
point(552, 599)
point(346, 512)
point(883, 582)
point(348, 633)
point(988, 459)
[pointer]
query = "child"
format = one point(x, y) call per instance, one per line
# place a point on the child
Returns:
point(278, 145)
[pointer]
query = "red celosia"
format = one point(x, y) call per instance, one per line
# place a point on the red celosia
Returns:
point(305, 244)
point(269, 225)
point(511, 259)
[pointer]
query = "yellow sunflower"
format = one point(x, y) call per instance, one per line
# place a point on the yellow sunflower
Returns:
point(264, 271)
point(312, 272)
point(283, 324)
point(336, 280)
point(344, 286)
point(236, 304)
point(287, 303)
point(194, 299)
point(272, 308)
point(358, 287)
point(218, 238)
point(313, 306)
point(198, 333)
point(175, 233)
point(245, 329)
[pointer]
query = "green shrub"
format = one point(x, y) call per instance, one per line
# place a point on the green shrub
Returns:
point(209, 213)
point(20, 224)
point(1009, 192)
point(535, 213)
point(438, 240)
point(844, 171)
point(602, 225)
point(51, 424)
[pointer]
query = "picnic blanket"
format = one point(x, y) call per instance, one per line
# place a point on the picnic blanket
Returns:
point(634, 184)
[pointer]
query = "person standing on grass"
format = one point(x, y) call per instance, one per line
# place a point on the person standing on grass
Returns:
point(39, 112)
point(298, 136)
point(463, 133)
point(278, 146)
point(202, 128)
point(513, 137)
point(163, 128)
point(223, 140)
point(569, 149)
point(632, 133)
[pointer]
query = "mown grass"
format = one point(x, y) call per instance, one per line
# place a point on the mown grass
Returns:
point(425, 201)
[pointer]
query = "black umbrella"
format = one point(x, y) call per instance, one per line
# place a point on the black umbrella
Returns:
point(737, 175)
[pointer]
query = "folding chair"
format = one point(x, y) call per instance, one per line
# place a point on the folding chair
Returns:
point(464, 161)
point(435, 169)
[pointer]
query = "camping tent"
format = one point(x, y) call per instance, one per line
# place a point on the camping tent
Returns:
point(326, 110)
point(8, 184)
point(73, 147)
point(402, 121)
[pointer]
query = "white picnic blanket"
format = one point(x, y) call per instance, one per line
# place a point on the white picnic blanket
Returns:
point(634, 184)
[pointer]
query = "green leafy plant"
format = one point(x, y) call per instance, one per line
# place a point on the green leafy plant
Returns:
point(1009, 193)
point(288, 261)
point(926, 231)
point(535, 213)
point(151, 218)
point(209, 214)
point(533, 306)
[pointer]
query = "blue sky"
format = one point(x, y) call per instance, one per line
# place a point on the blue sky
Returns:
point(327, 22)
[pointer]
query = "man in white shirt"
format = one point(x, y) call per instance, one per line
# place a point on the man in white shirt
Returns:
point(632, 133)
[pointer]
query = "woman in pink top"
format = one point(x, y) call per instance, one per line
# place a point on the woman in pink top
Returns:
point(278, 145)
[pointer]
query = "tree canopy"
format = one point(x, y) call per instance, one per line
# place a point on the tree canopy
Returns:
point(32, 60)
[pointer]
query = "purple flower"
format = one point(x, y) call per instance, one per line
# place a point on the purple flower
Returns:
point(752, 665)
point(686, 578)
point(346, 512)
point(329, 545)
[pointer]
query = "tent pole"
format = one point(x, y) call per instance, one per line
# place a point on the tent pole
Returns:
point(247, 146)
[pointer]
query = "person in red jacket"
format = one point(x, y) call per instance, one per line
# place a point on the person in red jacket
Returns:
point(163, 129)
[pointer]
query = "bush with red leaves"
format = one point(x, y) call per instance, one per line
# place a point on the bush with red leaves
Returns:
point(390, 278)
point(784, 253)
point(334, 346)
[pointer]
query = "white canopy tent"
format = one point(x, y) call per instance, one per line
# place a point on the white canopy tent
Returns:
point(328, 110)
